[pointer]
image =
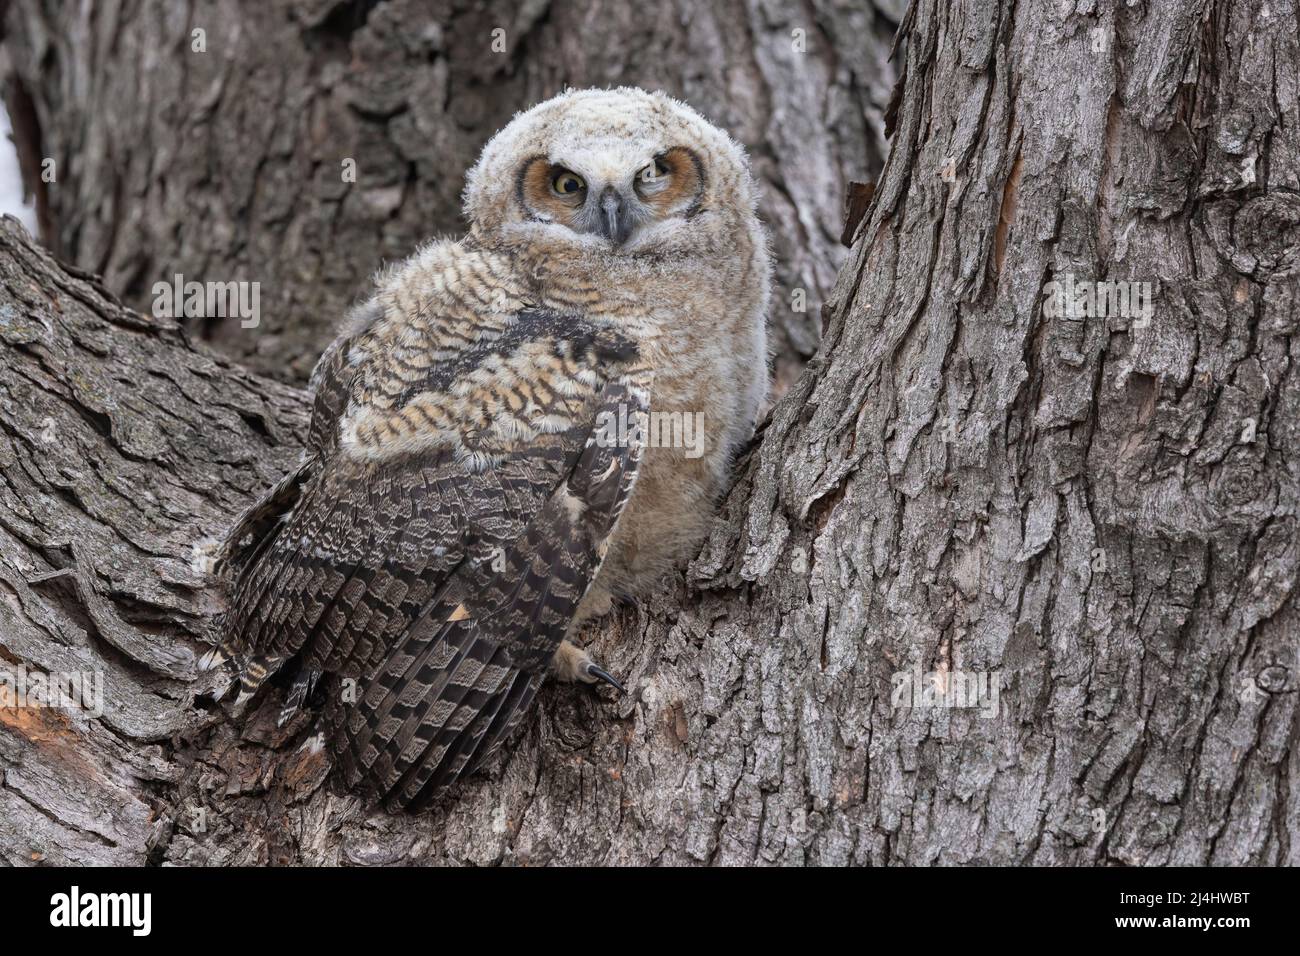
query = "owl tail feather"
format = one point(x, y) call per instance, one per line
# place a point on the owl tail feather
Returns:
point(299, 691)
point(248, 672)
point(221, 658)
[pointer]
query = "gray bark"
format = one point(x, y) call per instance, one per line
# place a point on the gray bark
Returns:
point(226, 165)
point(1101, 513)
point(121, 450)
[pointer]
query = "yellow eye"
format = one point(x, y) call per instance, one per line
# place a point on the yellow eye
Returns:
point(567, 184)
point(653, 172)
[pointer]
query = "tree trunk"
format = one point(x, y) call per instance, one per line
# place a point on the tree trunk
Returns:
point(1097, 516)
point(230, 164)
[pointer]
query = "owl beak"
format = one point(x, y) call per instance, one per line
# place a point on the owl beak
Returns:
point(614, 222)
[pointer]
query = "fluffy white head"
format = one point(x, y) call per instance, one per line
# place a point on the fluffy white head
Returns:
point(621, 172)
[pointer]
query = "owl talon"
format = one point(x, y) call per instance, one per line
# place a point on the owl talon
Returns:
point(597, 672)
point(572, 663)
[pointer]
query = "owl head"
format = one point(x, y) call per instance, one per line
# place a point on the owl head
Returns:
point(613, 172)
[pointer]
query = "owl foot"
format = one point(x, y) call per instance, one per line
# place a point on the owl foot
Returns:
point(572, 663)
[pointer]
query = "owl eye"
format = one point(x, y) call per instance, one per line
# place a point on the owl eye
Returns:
point(652, 172)
point(567, 184)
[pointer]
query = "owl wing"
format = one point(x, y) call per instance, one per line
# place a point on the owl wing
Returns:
point(458, 679)
point(441, 587)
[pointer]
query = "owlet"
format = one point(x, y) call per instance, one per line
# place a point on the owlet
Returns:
point(513, 430)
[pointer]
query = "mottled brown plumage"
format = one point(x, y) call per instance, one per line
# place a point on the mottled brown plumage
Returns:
point(460, 507)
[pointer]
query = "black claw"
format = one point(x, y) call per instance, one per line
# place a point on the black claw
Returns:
point(597, 671)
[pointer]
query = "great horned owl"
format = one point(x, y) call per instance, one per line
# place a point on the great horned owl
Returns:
point(481, 475)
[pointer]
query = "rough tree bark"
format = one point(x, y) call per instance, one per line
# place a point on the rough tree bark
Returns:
point(227, 164)
point(1101, 514)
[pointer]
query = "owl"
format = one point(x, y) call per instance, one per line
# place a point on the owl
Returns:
point(514, 430)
